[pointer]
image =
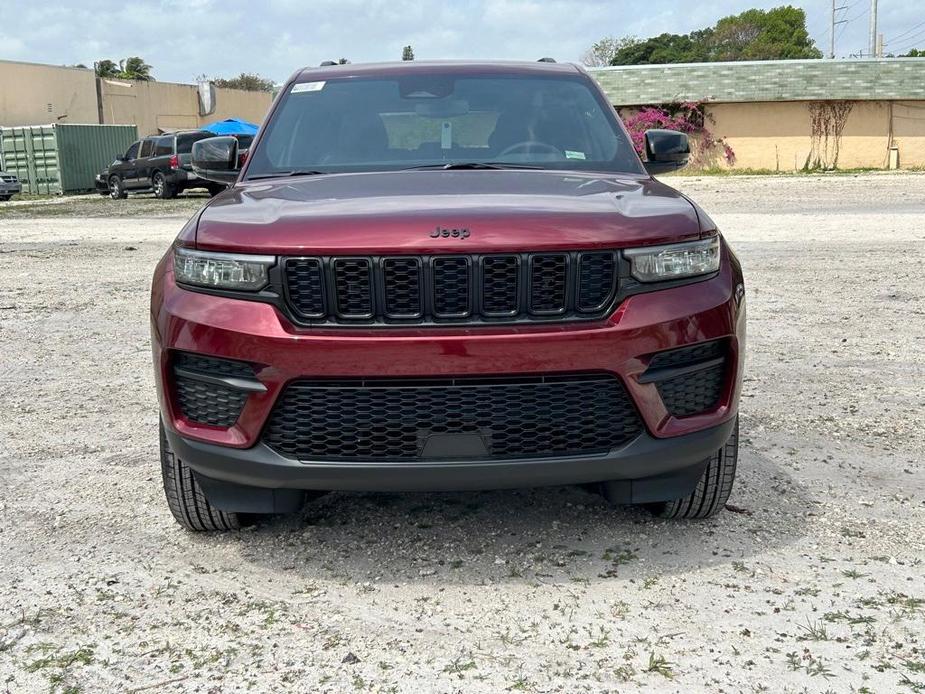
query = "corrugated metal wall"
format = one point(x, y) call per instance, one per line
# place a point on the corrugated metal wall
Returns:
point(83, 150)
point(61, 158)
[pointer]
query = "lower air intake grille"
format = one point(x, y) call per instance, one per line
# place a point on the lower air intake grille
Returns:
point(507, 417)
point(692, 393)
point(205, 402)
point(689, 379)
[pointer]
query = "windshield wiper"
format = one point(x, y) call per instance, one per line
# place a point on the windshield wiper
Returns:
point(283, 174)
point(454, 165)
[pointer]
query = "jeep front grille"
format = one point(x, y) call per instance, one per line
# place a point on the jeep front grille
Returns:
point(419, 419)
point(491, 288)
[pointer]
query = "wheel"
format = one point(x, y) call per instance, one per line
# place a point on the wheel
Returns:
point(187, 503)
point(215, 190)
point(162, 189)
point(4, 198)
point(712, 490)
point(116, 191)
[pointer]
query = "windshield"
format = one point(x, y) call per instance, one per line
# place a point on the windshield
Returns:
point(433, 120)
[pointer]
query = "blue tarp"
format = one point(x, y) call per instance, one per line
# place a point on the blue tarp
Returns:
point(231, 126)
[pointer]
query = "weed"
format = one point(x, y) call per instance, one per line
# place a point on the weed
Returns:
point(815, 631)
point(658, 663)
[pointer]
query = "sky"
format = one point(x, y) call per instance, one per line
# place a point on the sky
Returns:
point(185, 38)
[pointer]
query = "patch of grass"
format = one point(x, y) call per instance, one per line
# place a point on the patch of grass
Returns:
point(815, 631)
point(809, 663)
point(914, 685)
point(659, 664)
point(458, 666)
point(55, 658)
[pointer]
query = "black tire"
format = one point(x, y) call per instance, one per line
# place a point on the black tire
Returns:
point(187, 503)
point(162, 189)
point(116, 189)
point(712, 490)
point(4, 198)
point(215, 190)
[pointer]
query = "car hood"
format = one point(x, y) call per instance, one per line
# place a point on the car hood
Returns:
point(397, 212)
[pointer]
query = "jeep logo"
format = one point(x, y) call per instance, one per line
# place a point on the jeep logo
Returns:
point(441, 232)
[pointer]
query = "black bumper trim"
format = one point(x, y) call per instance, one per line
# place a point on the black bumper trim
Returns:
point(645, 457)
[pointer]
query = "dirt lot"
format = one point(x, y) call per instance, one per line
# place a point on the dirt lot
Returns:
point(816, 583)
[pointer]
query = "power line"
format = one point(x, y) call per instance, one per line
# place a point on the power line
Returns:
point(907, 31)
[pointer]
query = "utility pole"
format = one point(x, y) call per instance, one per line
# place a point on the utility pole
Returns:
point(873, 28)
point(879, 45)
point(834, 24)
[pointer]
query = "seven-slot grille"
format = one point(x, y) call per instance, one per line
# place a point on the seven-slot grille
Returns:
point(511, 417)
point(453, 288)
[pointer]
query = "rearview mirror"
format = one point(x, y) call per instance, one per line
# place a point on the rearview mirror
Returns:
point(666, 150)
point(216, 159)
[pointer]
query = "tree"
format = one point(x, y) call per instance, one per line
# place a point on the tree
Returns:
point(106, 68)
point(776, 34)
point(666, 48)
point(248, 81)
point(135, 68)
point(343, 61)
point(914, 53)
point(407, 53)
point(604, 51)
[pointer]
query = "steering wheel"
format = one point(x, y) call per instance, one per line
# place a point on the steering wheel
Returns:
point(529, 146)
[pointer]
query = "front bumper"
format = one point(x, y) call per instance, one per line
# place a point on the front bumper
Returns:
point(257, 333)
point(645, 470)
point(10, 188)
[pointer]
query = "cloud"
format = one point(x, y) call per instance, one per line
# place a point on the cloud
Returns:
point(185, 38)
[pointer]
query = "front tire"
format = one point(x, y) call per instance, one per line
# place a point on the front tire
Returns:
point(712, 490)
point(116, 190)
point(187, 503)
point(4, 198)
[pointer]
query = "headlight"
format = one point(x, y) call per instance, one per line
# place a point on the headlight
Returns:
point(221, 270)
point(674, 261)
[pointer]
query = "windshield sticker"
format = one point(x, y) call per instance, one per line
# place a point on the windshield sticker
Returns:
point(446, 135)
point(306, 87)
point(569, 154)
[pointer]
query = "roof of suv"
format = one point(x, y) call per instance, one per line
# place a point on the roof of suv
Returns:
point(442, 66)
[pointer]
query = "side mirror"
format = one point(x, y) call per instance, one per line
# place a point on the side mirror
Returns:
point(216, 159)
point(666, 150)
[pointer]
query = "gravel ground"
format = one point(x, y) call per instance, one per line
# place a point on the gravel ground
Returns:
point(814, 582)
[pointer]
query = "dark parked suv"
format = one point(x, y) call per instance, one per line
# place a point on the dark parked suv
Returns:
point(160, 164)
point(444, 276)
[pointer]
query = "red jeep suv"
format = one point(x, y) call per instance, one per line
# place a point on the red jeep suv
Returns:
point(445, 276)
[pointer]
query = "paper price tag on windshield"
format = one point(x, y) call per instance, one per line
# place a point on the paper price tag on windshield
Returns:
point(306, 87)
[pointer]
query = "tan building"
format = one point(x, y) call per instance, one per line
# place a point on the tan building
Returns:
point(32, 94)
point(794, 114)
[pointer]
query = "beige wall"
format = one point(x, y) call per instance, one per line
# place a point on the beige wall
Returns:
point(157, 106)
point(778, 136)
point(33, 94)
point(237, 103)
point(40, 94)
point(149, 105)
